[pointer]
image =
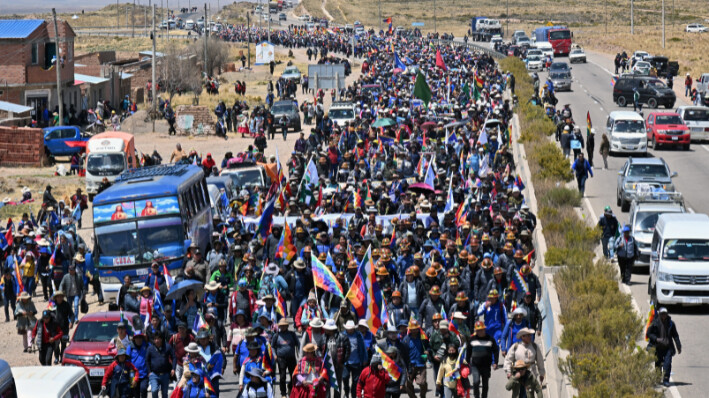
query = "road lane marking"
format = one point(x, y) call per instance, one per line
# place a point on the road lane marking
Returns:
point(590, 209)
point(602, 67)
point(706, 148)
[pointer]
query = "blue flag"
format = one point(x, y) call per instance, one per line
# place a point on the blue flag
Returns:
point(398, 63)
point(76, 214)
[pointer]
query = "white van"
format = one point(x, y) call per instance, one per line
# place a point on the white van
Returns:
point(626, 131)
point(547, 49)
point(51, 382)
point(679, 260)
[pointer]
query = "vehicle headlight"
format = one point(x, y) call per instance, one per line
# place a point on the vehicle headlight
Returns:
point(668, 187)
point(109, 280)
point(664, 277)
point(643, 144)
point(74, 357)
point(662, 131)
point(629, 185)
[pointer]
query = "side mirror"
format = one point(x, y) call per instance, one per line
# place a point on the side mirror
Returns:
point(673, 175)
point(654, 256)
point(620, 173)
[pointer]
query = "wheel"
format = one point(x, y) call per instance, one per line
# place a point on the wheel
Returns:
point(298, 128)
point(91, 197)
point(622, 102)
point(686, 147)
point(653, 296)
point(624, 206)
point(617, 199)
point(652, 103)
point(654, 143)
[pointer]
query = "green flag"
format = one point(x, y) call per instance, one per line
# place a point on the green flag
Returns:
point(466, 94)
point(476, 93)
point(421, 89)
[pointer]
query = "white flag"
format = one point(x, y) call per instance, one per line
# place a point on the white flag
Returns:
point(311, 174)
point(430, 177)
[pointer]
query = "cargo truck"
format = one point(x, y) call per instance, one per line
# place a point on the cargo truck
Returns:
point(108, 155)
point(558, 36)
point(484, 28)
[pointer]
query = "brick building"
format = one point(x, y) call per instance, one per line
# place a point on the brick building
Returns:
point(27, 60)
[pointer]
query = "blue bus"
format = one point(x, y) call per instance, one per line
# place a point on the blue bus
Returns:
point(151, 213)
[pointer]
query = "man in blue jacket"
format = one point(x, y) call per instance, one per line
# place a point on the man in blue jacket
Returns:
point(418, 355)
point(627, 251)
point(138, 352)
point(356, 361)
point(581, 169)
point(159, 359)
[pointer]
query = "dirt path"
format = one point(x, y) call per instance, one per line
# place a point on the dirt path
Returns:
point(324, 10)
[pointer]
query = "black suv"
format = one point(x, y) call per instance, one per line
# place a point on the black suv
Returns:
point(653, 92)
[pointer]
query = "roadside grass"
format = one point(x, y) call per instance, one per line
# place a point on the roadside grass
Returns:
point(600, 326)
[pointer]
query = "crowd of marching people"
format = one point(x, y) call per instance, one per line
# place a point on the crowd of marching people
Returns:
point(389, 251)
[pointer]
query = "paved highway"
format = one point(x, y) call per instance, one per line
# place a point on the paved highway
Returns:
point(592, 92)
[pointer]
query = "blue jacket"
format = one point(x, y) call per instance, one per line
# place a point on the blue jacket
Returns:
point(509, 333)
point(495, 316)
point(159, 360)
point(417, 349)
point(138, 356)
point(360, 351)
point(192, 390)
point(582, 170)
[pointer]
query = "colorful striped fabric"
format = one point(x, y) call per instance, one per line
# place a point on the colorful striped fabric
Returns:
point(324, 278)
point(389, 365)
point(366, 296)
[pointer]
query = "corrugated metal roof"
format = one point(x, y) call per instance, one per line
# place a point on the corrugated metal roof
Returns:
point(18, 28)
point(89, 79)
point(14, 108)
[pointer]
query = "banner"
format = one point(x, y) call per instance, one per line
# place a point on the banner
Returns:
point(264, 53)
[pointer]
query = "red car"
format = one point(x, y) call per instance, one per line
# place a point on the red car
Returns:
point(667, 128)
point(89, 346)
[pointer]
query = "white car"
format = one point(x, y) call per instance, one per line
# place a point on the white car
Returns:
point(494, 41)
point(577, 55)
point(697, 119)
point(342, 112)
point(641, 68)
point(640, 55)
point(547, 49)
point(535, 62)
point(304, 18)
point(524, 42)
point(696, 28)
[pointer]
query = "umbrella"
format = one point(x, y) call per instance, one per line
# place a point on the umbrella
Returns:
point(428, 125)
point(421, 187)
point(384, 122)
point(180, 288)
point(456, 124)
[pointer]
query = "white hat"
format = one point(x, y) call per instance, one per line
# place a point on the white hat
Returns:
point(459, 315)
point(192, 348)
point(363, 322)
point(519, 311)
point(350, 324)
point(524, 332)
point(330, 325)
point(25, 189)
point(662, 310)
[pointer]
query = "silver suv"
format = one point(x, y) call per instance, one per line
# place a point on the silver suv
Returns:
point(642, 175)
point(644, 211)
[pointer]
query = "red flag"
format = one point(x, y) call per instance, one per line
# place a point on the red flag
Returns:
point(439, 61)
point(319, 203)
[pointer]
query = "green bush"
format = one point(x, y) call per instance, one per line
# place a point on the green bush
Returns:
point(600, 326)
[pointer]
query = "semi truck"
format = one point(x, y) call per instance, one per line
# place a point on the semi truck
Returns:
point(484, 28)
point(558, 36)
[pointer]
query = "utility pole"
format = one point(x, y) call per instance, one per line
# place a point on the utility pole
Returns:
point(632, 21)
point(206, 38)
point(663, 23)
point(58, 68)
point(155, 82)
point(605, 11)
point(268, 34)
point(132, 20)
point(248, 38)
point(380, 15)
point(507, 19)
point(435, 19)
point(167, 17)
point(118, 16)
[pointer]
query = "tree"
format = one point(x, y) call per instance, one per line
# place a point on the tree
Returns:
point(179, 72)
point(217, 53)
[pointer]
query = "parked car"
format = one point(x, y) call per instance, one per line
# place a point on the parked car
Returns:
point(702, 83)
point(653, 91)
point(524, 42)
point(641, 68)
point(561, 80)
point(246, 174)
point(644, 212)
point(89, 347)
point(696, 28)
point(653, 172)
point(627, 133)
point(291, 73)
point(577, 55)
point(667, 128)
point(640, 55)
point(282, 17)
point(304, 18)
point(697, 120)
point(663, 65)
point(51, 382)
point(56, 139)
point(290, 109)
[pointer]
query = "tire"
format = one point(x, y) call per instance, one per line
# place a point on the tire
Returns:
point(622, 102)
point(298, 128)
point(652, 103)
point(686, 147)
point(655, 145)
point(624, 206)
point(653, 295)
point(91, 197)
point(617, 199)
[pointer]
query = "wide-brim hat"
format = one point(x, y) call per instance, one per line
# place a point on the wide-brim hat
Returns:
point(310, 347)
point(520, 364)
point(525, 332)
point(316, 323)
point(24, 295)
point(256, 373)
point(350, 324)
point(299, 264)
point(283, 322)
point(212, 285)
point(59, 293)
point(271, 269)
point(330, 325)
point(192, 348)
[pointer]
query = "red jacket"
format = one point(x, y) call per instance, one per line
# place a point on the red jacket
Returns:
point(109, 372)
point(372, 384)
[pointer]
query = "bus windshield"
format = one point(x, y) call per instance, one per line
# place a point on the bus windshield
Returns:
point(131, 243)
point(105, 164)
point(559, 35)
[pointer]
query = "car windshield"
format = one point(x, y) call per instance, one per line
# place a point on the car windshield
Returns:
point(697, 115)
point(534, 57)
point(559, 35)
point(558, 75)
point(629, 126)
point(642, 64)
point(243, 178)
point(105, 164)
point(668, 119)
point(648, 170)
point(559, 66)
point(686, 250)
point(645, 221)
point(576, 51)
point(341, 114)
point(277, 109)
point(95, 331)
point(289, 71)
